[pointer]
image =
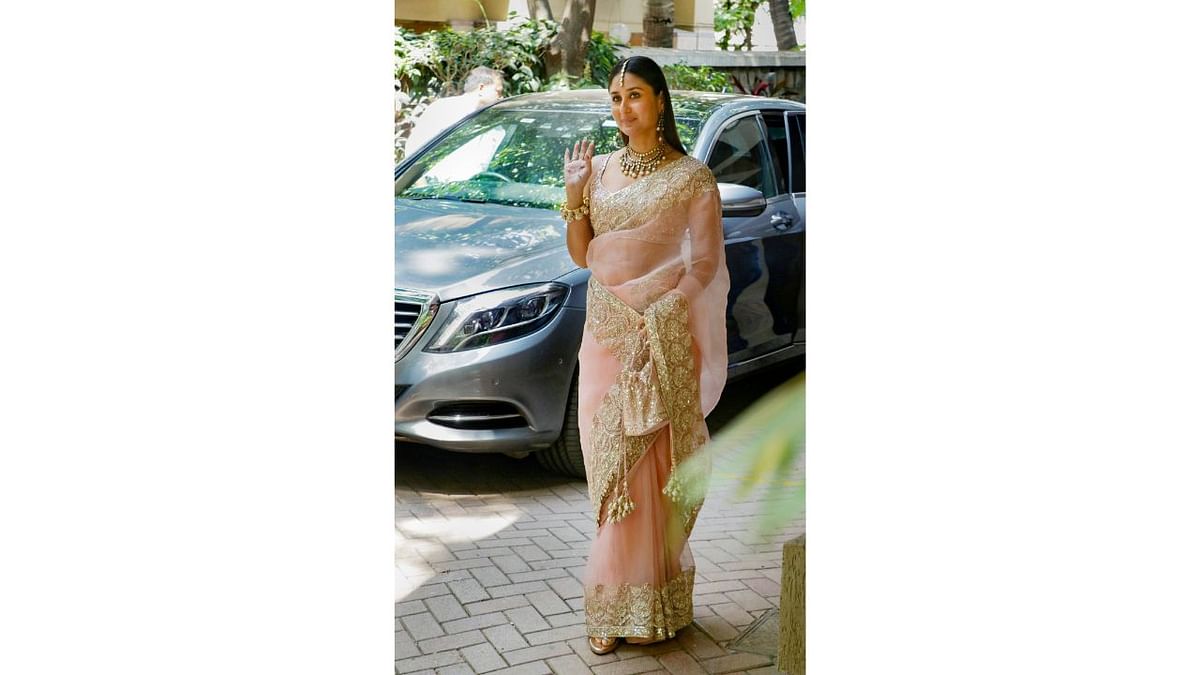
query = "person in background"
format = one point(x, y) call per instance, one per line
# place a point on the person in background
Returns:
point(482, 87)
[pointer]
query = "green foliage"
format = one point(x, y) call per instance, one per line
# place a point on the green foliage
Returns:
point(734, 18)
point(601, 57)
point(697, 78)
point(764, 449)
point(436, 62)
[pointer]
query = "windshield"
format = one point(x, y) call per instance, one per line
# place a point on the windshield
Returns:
point(512, 156)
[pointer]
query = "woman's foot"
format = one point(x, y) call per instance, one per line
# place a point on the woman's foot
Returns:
point(644, 641)
point(602, 645)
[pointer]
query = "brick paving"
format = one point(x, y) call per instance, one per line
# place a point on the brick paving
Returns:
point(489, 555)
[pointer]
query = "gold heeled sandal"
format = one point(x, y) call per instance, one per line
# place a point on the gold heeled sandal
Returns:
point(602, 645)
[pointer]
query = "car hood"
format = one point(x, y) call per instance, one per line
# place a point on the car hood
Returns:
point(457, 249)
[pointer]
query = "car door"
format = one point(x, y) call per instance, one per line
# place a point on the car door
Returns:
point(761, 250)
point(785, 131)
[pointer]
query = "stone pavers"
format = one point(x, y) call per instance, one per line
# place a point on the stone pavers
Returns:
point(490, 550)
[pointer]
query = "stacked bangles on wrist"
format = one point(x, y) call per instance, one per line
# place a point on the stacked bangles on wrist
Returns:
point(576, 213)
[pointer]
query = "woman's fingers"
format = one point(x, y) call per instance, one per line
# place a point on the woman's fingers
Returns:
point(582, 150)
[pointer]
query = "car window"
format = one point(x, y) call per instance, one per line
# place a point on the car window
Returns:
point(777, 141)
point(511, 156)
point(796, 129)
point(740, 156)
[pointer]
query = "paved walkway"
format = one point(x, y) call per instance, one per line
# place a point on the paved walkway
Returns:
point(489, 554)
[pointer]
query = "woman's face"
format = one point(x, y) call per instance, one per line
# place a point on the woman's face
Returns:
point(635, 107)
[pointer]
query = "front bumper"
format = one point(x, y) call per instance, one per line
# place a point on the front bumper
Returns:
point(509, 397)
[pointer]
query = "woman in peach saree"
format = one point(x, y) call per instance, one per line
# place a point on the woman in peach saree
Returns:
point(646, 220)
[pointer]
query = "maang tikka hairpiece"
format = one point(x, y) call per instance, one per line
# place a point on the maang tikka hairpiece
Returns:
point(623, 67)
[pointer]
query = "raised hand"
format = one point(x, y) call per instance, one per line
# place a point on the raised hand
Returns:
point(577, 168)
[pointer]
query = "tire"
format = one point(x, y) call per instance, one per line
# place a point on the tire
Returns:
point(565, 456)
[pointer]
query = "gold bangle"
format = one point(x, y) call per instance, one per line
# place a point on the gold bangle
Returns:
point(576, 213)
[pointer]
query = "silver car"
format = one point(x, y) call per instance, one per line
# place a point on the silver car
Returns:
point(489, 305)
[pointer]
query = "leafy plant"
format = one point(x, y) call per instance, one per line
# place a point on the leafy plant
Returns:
point(434, 63)
point(764, 448)
point(601, 57)
point(697, 78)
point(734, 18)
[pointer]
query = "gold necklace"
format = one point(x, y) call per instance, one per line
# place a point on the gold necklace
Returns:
point(636, 164)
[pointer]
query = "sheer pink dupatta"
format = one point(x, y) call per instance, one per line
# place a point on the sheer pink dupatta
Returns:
point(657, 238)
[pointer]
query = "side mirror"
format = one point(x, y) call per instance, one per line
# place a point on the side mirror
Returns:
point(739, 201)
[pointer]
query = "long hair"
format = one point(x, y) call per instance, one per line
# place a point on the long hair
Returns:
point(649, 71)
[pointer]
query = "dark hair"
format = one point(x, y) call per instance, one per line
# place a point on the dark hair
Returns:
point(649, 71)
point(481, 76)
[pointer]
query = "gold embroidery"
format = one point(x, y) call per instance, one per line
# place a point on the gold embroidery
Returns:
point(658, 383)
point(629, 410)
point(671, 351)
point(642, 611)
point(633, 205)
point(612, 451)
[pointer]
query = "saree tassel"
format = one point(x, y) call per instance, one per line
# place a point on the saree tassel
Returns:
point(621, 504)
point(687, 482)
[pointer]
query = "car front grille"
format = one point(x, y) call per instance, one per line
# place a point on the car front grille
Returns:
point(414, 312)
point(406, 317)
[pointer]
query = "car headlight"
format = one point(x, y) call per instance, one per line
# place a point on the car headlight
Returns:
point(497, 316)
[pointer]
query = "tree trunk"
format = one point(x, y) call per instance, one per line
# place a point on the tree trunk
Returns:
point(568, 51)
point(658, 23)
point(781, 21)
point(540, 9)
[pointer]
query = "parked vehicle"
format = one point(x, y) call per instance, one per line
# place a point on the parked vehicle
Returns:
point(489, 305)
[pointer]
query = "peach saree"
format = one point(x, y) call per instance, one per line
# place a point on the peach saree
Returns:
point(652, 364)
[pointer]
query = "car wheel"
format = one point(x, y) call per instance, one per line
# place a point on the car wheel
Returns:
point(566, 455)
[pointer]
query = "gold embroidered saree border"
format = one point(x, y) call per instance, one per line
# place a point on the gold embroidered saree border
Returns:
point(658, 381)
point(642, 611)
point(611, 450)
point(671, 352)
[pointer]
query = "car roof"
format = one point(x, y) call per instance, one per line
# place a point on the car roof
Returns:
point(693, 104)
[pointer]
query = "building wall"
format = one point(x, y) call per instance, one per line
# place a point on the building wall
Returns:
point(449, 11)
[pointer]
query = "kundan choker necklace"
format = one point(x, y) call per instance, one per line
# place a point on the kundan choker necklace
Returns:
point(637, 164)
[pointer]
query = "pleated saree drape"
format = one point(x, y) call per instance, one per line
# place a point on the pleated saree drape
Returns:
point(652, 364)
